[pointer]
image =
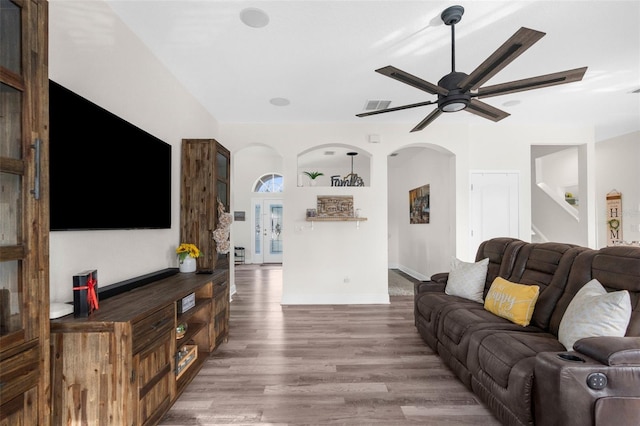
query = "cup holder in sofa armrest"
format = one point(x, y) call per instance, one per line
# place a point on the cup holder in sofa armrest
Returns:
point(570, 357)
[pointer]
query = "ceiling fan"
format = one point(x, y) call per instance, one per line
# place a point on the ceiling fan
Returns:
point(458, 91)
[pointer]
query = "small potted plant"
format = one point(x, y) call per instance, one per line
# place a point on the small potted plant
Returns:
point(569, 198)
point(313, 176)
point(187, 254)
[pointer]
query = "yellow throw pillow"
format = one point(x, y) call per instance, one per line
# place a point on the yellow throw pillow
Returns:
point(512, 301)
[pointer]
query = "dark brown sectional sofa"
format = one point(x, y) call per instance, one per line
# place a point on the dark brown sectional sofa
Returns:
point(524, 374)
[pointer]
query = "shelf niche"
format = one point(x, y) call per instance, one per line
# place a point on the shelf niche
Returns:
point(334, 161)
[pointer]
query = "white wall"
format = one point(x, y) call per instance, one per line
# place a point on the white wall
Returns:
point(127, 80)
point(618, 167)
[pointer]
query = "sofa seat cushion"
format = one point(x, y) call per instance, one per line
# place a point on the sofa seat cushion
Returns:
point(429, 306)
point(456, 322)
point(511, 404)
point(456, 327)
point(497, 354)
point(502, 368)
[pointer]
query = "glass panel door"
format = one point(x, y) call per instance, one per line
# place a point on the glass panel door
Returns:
point(11, 30)
point(267, 244)
point(273, 227)
point(24, 204)
point(12, 171)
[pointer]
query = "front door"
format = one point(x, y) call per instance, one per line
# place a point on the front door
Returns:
point(266, 245)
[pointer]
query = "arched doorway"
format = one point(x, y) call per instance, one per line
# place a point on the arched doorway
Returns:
point(421, 249)
point(257, 175)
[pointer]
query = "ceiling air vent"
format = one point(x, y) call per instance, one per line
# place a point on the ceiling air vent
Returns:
point(376, 105)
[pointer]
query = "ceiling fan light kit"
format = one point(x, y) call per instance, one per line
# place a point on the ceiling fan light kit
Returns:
point(456, 99)
point(458, 91)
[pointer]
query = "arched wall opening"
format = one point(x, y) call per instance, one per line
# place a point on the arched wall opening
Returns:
point(335, 162)
point(249, 164)
point(421, 249)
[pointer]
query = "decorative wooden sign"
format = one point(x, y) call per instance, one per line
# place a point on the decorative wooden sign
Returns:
point(614, 218)
point(335, 206)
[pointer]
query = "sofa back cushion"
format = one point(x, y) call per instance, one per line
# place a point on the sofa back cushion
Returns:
point(547, 266)
point(616, 268)
point(501, 253)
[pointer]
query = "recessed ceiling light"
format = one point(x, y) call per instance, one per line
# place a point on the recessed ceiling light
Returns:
point(254, 17)
point(280, 101)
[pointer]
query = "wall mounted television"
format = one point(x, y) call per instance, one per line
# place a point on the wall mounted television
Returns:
point(104, 173)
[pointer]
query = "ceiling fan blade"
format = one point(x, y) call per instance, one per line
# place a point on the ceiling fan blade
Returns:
point(523, 39)
point(398, 108)
point(532, 83)
point(485, 110)
point(427, 120)
point(412, 80)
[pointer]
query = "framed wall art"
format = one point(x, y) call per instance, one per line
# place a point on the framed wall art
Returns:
point(419, 204)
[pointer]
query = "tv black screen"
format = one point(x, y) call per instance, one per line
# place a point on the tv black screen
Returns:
point(104, 173)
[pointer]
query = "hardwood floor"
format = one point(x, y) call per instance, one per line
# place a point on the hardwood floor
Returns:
point(324, 364)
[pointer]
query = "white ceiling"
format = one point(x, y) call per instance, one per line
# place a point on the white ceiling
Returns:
point(321, 55)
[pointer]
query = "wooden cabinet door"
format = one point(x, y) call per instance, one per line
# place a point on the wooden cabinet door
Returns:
point(198, 198)
point(24, 228)
point(221, 312)
point(155, 380)
point(223, 193)
point(205, 178)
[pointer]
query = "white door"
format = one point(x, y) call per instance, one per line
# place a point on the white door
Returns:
point(493, 207)
point(266, 245)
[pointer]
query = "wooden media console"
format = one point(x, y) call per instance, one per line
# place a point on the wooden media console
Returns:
point(125, 364)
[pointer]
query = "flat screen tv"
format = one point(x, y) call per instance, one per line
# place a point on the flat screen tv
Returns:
point(104, 172)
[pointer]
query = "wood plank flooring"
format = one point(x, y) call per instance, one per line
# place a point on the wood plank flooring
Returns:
point(324, 364)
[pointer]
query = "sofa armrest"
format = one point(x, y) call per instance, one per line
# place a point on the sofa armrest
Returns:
point(441, 277)
point(565, 393)
point(428, 286)
point(611, 350)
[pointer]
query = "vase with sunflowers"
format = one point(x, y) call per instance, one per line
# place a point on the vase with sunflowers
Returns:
point(187, 254)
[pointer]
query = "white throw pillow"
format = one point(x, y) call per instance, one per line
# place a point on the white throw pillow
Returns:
point(467, 279)
point(595, 312)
